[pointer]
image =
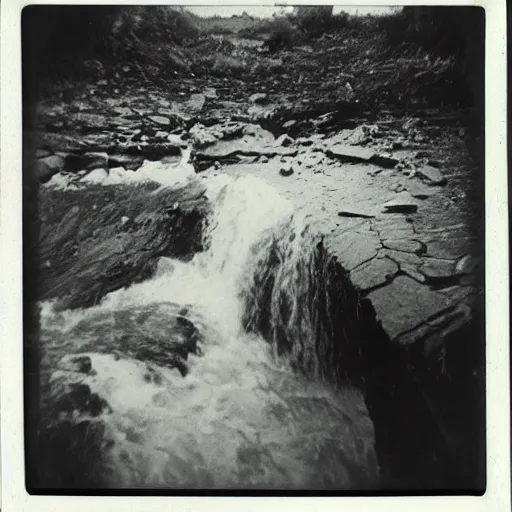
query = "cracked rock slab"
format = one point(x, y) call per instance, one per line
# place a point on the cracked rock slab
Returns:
point(408, 263)
point(404, 304)
point(403, 245)
point(353, 249)
point(375, 273)
point(449, 245)
point(393, 227)
point(437, 329)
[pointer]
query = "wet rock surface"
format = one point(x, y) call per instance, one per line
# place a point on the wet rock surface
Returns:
point(160, 335)
point(157, 337)
point(409, 260)
point(97, 239)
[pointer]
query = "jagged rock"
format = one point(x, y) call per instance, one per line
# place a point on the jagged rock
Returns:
point(408, 263)
point(402, 203)
point(92, 253)
point(286, 172)
point(156, 333)
point(376, 272)
point(258, 98)
point(412, 246)
point(404, 304)
point(384, 160)
point(259, 112)
point(432, 175)
point(48, 166)
point(437, 268)
point(350, 154)
point(160, 120)
point(196, 103)
point(356, 212)
point(255, 141)
point(203, 136)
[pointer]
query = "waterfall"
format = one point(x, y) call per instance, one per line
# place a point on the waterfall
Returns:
point(217, 372)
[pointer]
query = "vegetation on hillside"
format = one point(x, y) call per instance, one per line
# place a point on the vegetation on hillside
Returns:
point(412, 55)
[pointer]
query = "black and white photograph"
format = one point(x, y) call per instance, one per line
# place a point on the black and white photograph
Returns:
point(254, 250)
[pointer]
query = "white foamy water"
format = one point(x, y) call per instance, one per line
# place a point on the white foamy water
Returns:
point(240, 418)
point(167, 175)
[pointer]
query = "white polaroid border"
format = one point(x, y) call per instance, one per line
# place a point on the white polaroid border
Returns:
point(14, 495)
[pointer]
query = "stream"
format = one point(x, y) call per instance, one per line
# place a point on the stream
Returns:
point(185, 381)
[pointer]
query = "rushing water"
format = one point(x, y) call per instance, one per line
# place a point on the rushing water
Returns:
point(234, 412)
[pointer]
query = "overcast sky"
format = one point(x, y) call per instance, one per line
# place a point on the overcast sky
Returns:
point(267, 11)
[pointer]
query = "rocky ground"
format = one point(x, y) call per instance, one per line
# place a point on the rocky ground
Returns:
point(397, 197)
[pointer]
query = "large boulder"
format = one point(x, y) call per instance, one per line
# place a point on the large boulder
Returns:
point(101, 238)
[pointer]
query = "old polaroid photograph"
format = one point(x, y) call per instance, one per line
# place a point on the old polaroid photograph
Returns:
point(254, 250)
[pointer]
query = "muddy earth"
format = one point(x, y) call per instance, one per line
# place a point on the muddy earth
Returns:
point(256, 283)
